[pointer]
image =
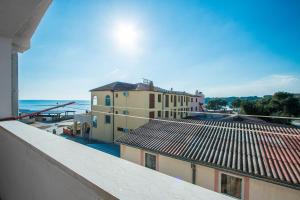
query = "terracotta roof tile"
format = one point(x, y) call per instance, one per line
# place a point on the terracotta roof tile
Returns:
point(267, 152)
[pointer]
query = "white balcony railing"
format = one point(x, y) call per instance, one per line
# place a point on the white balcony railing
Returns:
point(37, 165)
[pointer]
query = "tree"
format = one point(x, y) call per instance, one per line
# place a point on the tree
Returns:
point(216, 104)
point(280, 104)
point(236, 103)
point(249, 107)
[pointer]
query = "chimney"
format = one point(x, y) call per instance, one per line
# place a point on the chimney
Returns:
point(151, 86)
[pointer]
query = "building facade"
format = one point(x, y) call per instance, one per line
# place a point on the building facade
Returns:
point(245, 188)
point(196, 103)
point(119, 108)
point(245, 161)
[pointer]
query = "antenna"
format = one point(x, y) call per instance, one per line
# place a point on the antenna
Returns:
point(147, 81)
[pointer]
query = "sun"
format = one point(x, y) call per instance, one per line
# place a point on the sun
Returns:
point(127, 36)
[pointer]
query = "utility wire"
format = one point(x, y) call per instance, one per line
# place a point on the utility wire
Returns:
point(195, 124)
point(199, 112)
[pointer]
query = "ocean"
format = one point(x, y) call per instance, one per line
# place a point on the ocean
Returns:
point(80, 106)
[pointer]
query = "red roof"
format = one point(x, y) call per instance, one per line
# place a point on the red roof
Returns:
point(268, 152)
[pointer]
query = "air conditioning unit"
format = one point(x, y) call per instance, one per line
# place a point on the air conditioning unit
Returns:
point(125, 112)
point(125, 130)
point(126, 93)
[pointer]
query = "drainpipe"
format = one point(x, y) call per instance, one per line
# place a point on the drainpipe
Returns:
point(193, 166)
point(163, 105)
point(113, 116)
point(91, 118)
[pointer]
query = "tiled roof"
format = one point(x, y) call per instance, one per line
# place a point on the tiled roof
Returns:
point(266, 152)
point(122, 86)
point(116, 86)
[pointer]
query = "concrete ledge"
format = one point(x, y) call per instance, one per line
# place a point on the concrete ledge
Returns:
point(51, 167)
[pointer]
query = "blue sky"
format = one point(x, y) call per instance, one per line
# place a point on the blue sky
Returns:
point(223, 48)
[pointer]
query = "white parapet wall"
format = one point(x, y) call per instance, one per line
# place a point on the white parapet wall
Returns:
point(37, 165)
point(5, 77)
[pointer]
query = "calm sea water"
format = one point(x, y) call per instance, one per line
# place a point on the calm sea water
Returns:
point(34, 105)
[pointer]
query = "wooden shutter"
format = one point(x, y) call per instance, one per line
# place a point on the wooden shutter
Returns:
point(167, 100)
point(151, 114)
point(151, 100)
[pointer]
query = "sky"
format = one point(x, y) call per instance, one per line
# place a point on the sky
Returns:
point(222, 48)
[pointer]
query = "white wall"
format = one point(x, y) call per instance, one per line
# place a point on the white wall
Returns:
point(176, 168)
point(25, 173)
point(37, 165)
point(264, 190)
point(5, 78)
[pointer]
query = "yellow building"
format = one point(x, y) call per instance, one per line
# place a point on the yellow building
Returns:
point(118, 108)
point(242, 160)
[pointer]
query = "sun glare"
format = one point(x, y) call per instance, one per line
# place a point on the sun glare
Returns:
point(127, 36)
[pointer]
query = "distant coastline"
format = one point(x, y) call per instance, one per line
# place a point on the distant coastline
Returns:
point(35, 105)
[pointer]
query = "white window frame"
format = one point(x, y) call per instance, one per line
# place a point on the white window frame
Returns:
point(105, 100)
point(105, 119)
point(95, 117)
point(233, 175)
point(95, 100)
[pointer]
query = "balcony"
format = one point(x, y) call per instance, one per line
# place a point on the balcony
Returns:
point(39, 165)
point(36, 164)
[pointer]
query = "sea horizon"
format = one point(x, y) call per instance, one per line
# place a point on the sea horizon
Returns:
point(80, 106)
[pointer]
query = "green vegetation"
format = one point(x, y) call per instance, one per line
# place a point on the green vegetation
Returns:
point(231, 99)
point(280, 104)
point(236, 103)
point(216, 104)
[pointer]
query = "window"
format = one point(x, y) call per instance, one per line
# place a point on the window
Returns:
point(159, 113)
point(167, 100)
point(151, 100)
point(175, 101)
point(151, 114)
point(117, 112)
point(117, 95)
point(95, 121)
point(191, 99)
point(107, 119)
point(171, 98)
point(150, 161)
point(196, 108)
point(196, 99)
point(191, 108)
point(181, 100)
point(166, 114)
point(231, 186)
point(120, 129)
point(107, 100)
point(95, 100)
point(159, 98)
